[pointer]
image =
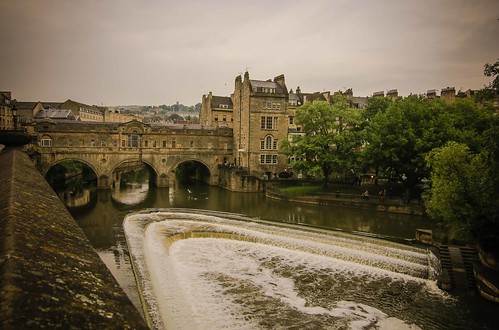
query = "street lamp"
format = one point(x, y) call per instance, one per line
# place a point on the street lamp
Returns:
point(14, 116)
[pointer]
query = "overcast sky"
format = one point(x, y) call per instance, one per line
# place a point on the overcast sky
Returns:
point(120, 52)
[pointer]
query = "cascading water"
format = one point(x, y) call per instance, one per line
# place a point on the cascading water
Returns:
point(213, 270)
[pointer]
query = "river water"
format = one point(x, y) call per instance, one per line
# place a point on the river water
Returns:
point(220, 278)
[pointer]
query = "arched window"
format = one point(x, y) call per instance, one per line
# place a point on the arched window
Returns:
point(46, 141)
point(134, 139)
point(269, 143)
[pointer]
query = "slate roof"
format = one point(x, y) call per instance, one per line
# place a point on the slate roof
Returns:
point(5, 98)
point(217, 100)
point(359, 101)
point(293, 96)
point(267, 84)
point(53, 113)
point(52, 104)
point(317, 96)
point(30, 105)
point(83, 105)
point(25, 105)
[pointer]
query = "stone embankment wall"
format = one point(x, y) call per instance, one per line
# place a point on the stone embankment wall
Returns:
point(345, 200)
point(50, 276)
point(235, 180)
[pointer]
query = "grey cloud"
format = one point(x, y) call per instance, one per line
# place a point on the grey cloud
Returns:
point(156, 52)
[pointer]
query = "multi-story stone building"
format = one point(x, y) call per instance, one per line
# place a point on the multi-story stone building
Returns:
point(83, 111)
point(448, 94)
point(116, 116)
point(257, 112)
point(262, 116)
point(260, 124)
point(216, 111)
point(6, 118)
point(27, 111)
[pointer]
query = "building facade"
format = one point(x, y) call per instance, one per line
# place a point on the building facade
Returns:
point(260, 124)
point(216, 111)
point(6, 118)
point(83, 111)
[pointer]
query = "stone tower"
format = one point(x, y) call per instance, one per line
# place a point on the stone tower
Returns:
point(260, 124)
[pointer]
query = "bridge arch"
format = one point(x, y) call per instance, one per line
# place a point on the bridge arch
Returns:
point(71, 159)
point(202, 173)
point(56, 173)
point(151, 166)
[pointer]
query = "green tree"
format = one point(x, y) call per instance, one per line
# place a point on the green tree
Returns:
point(330, 138)
point(374, 106)
point(175, 116)
point(371, 157)
point(399, 137)
point(490, 91)
point(463, 196)
point(492, 70)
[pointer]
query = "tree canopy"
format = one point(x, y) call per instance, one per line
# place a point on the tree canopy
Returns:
point(402, 133)
point(490, 91)
point(463, 195)
point(330, 138)
point(453, 144)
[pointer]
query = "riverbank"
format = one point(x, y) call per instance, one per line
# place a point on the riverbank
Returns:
point(353, 197)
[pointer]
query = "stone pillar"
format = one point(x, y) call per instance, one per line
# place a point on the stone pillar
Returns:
point(103, 182)
point(162, 181)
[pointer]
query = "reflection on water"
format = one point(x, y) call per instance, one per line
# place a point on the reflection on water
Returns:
point(130, 186)
point(102, 222)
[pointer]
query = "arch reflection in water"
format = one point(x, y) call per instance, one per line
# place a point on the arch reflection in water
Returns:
point(131, 184)
point(210, 270)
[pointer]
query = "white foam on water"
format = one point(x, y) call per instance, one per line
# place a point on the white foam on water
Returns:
point(227, 283)
point(196, 258)
point(132, 195)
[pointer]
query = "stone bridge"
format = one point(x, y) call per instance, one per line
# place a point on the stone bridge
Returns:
point(105, 147)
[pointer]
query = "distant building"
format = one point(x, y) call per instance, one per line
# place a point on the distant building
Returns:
point(216, 111)
point(432, 94)
point(448, 94)
point(83, 111)
point(27, 111)
point(6, 118)
point(393, 94)
point(118, 116)
point(55, 114)
point(294, 101)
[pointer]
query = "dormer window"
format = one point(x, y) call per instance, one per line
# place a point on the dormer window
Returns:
point(264, 90)
point(224, 106)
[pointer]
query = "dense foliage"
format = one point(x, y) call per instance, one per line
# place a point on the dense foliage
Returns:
point(464, 192)
point(330, 138)
point(401, 134)
point(450, 144)
point(490, 91)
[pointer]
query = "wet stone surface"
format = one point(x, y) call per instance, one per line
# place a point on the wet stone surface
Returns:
point(50, 276)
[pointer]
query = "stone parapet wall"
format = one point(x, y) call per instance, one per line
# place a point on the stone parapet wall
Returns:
point(235, 180)
point(50, 276)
